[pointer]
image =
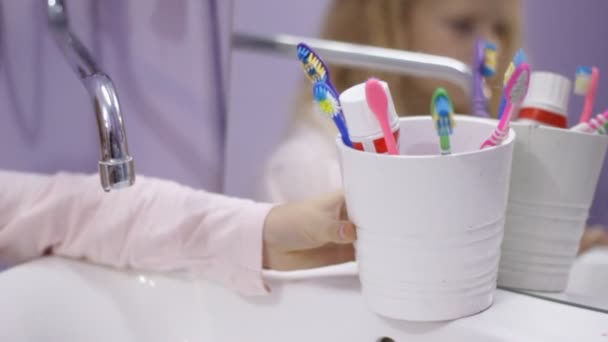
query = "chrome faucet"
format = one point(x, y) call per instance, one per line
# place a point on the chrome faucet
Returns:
point(116, 165)
point(363, 56)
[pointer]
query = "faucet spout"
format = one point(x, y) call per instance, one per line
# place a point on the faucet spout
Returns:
point(116, 165)
point(116, 168)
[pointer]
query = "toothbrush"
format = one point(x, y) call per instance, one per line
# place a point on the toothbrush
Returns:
point(515, 91)
point(377, 100)
point(316, 70)
point(603, 130)
point(519, 58)
point(585, 84)
point(597, 124)
point(442, 112)
point(484, 66)
point(329, 105)
point(314, 67)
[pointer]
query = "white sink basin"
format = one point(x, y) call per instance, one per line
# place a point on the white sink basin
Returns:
point(53, 299)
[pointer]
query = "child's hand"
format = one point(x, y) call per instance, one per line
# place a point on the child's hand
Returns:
point(308, 234)
point(594, 236)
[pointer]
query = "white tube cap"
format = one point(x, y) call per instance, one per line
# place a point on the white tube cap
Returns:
point(360, 119)
point(548, 91)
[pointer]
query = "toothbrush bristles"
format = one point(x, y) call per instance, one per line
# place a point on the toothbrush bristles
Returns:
point(325, 99)
point(508, 73)
point(582, 80)
point(581, 84)
point(329, 106)
point(490, 62)
point(303, 52)
point(316, 64)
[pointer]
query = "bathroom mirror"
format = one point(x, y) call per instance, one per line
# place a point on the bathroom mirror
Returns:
point(266, 82)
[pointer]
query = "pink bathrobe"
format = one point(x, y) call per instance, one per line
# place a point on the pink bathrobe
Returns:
point(155, 225)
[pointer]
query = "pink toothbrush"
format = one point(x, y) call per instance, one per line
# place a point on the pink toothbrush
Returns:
point(515, 91)
point(378, 103)
point(585, 84)
point(593, 125)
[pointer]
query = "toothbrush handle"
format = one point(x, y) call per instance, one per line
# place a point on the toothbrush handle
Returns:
point(594, 125)
point(391, 144)
point(502, 106)
point(480, 109)
point(343, 130)
point(582, 127)
point(444, 144)
point(502, 130)
point(480, 104)
point(590, 98)
point(598, 122)
point(503, 124)
point(495, 139)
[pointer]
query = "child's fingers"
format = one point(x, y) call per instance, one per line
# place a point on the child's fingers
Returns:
point(338, 228)
point(332, 203)
point(339, 232)
point(308, 234)
point(347, 233)
point(593, 237)
point(330, 254)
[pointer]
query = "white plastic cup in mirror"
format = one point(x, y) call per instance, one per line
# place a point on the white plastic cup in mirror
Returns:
point(429, 226)
point(555, 173)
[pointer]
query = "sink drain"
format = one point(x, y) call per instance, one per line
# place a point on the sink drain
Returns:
point(385, 339)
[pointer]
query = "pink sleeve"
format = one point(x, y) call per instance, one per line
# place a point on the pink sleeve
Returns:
point(155, 225)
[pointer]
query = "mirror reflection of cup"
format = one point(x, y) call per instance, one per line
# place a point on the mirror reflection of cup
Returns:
point(555, 174)
point(429, 226)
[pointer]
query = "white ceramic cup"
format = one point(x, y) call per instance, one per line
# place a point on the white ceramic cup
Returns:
point(429, 226)
point(555, 173)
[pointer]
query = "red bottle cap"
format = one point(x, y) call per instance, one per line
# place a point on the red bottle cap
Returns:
point(544, 117)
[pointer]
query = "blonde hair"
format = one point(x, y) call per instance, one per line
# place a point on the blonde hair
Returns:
point(384, 23)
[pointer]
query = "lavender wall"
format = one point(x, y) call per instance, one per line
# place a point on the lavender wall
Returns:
point(159, 55)
point(262, 87)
